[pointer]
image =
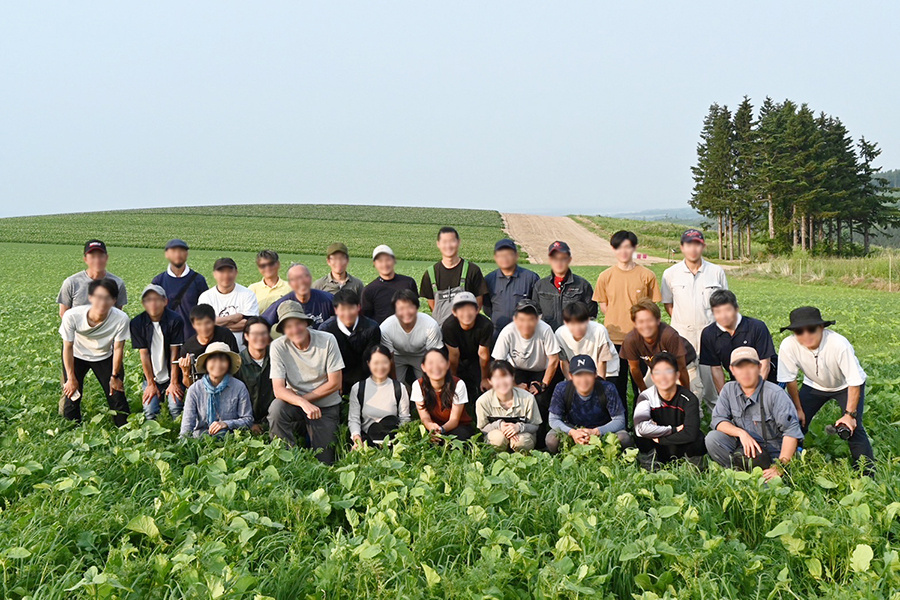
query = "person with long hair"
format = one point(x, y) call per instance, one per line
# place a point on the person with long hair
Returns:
point(441, 398)
point(508, 416)
point(379, 405)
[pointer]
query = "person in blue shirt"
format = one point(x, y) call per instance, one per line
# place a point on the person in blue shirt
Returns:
point(182, 284)
point(218, 402)
point(318, 305)
point(585, 406)
point(507, 285)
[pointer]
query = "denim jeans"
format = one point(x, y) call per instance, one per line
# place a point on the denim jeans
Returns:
point(152, 408)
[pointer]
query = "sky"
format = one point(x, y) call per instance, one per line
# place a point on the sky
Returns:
point(547, 108)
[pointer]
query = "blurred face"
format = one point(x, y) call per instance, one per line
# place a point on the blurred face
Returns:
point(154, 304)
point(746, 373)
point(347, 313)
point(225, 278)
point(268, 268)
point(406, 312)
point(625, 251)
point(810, 337)
point(506, 258)
point(584, 382)
point(101, 300)
point(526, 323)
point(577, 329)
point(466, 314)
point(646, 323)
point(435, 365)
point(664, 375)
point(204, 327)
point(300, 280)
point(380, 366)
point(338, 262)
point(258, 337)
point(559, 262)
point(384, 264)
point(296, 330)
point(502, 382)
point(448, 244)
point(218, 365)
point(96, 261)
point(725, 315)
point(692, 251)
point(177, 257)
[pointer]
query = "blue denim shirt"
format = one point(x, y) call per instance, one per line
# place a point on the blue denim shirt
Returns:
point(505, 292)
point(234, 409)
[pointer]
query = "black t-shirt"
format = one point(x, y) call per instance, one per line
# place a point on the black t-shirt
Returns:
point(450, 278)
point(481, 334)
point(378, 295)
point(716, 345)
point(220, 334)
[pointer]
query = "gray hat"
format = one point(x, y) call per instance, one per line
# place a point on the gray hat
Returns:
point(291, 309)
point(152, 287)
point(219, 348)
point(464, 298)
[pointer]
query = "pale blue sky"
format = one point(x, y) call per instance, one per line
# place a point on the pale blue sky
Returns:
point(583, 107)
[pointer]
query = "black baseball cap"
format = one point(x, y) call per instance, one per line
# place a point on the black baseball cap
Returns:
point(559, 246)
point(528, 305)
point(176, 243)
point(94, 246)
point(693, 235)
point(225, 263)
point(505, 244)
point(582, 363)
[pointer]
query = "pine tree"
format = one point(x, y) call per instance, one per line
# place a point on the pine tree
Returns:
point(875, 208)
point(714, 171)
point(746, 197)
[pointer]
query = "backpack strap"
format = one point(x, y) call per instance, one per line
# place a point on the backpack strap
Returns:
point(397, 391)
point(361, 393)
point(569, 397)
point(175, 302)
point(464, 274)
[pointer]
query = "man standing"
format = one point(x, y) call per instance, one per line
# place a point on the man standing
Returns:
point(306, 368)
point(450, 276)
point(686, 288)
point(231, 301)
point(618, 289)
point(355, 334)
point(732, 330)
point(254, 371)
point(754, 420)
point(74, 291)
point(316, 304)
point(378, 297)
point(831, 371)
point(271, 287)
point(338, 257)
point(94, 337)
point(561, 288)
point(468, 335)
point(182, 284)
point(507, 285)
point(158, 334)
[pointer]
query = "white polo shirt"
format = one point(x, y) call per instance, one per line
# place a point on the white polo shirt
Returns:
point(831, 367)
point(689, 293)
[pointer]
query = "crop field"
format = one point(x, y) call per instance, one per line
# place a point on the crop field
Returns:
point(95, 512)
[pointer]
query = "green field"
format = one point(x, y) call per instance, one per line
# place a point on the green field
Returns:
point(657, 238)
point(92, 512)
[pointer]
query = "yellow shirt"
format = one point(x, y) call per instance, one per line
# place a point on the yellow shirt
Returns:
point(266, 295)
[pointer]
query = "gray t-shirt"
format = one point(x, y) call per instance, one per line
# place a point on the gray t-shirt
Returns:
point(527, 355)
point(74, 290)
point(306, 370)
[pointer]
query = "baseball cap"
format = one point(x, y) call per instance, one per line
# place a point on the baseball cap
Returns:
point(693, 235)
point(176, 243)
point(744, 354)
point(225, 263)
point(337, 247)
point(582, 363)
point(464, 298)
point(382, 249)
point(152, 287)
point(505, 244)
point(528, 305)
point(94, 246)
point(559, 246)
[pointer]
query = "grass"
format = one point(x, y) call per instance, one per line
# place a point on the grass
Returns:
point(880, 271)
point(657, 238)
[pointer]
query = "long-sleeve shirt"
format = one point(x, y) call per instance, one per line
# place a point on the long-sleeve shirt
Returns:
point(588, 411)
point(736, 408)
point(379, 402)
point(234, 409)
point(655, 417)
point(490, 414)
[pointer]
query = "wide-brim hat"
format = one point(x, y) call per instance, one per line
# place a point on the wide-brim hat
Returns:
point(219, 348)
point(290, 310)
point(806, 316)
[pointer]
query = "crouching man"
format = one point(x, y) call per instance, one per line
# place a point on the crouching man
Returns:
point(754, 420)
point(585, 406)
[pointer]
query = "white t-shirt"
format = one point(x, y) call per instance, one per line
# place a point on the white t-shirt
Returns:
point(595, 343)
point(409, 348)
point(462, 394)
point(95, 343)
point(240, 300)
point(379, 402)
point(689, 296)
point(158, 361)
point(527, 355)
point(832, 367)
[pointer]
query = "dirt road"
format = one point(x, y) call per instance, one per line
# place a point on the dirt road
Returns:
point(535, 233)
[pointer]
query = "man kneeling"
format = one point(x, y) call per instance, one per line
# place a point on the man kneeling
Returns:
point(585, 406)
point(508, 416)
point(753, 421)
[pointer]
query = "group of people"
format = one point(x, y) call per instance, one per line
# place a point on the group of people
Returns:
point(519, 358)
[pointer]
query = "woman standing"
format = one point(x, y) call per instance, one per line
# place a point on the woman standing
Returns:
point(217, 403)
point(379, 405)
point(441, 398)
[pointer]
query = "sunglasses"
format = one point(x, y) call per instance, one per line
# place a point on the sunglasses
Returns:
point(807, 330)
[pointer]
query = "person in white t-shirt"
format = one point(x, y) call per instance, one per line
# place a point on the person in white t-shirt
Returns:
point(94, 337)
point(831, 371)
point(409, 334)
point(581, 335)
point(232, 302)
point(379, 405)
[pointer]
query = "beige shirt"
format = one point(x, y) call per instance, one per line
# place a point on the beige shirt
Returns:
point(306, 370)
point(689, 293)
point(620, 290)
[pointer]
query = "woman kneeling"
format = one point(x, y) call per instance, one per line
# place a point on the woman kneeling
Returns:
point(441, 398)
point(379, 405)
point(216, 403)
point(507, 415)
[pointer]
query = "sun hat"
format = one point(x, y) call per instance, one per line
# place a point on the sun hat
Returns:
point(291, 309)
point(382, 249)
point(219, 348)
point(806, 316)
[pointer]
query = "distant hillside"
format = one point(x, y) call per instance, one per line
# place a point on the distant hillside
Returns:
point(684, 215)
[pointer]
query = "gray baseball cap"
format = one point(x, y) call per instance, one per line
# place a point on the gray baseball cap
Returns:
point(464, 298)
point(158, 289)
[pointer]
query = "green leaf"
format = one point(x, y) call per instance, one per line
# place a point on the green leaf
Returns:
point(824, 483)
point(817, 520)
point(814, 566)
point(786, 527)
point(17, 552)
point(431, 576)
point(144, 524)
point(567, 544)
point(861, 558)
point(667, 511)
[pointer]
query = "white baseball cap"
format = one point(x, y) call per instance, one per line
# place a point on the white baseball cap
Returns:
point(382, 249)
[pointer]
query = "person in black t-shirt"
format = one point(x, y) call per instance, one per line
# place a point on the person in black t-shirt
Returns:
point(468, 335)
point(203, 319)
point(450, 276)
point(378, 297)
point(355, 334)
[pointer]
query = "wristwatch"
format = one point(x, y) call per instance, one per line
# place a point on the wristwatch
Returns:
point(117, 376)
point(852, 414)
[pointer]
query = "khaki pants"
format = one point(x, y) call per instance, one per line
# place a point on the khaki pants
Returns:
point(523, 443)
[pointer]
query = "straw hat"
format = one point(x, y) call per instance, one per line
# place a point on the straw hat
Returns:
point(219, 348)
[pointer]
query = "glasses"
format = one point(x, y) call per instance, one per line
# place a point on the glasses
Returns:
point(806, 330)
point(266, 265)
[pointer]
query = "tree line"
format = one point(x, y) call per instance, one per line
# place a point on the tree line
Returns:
point(789, 178)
